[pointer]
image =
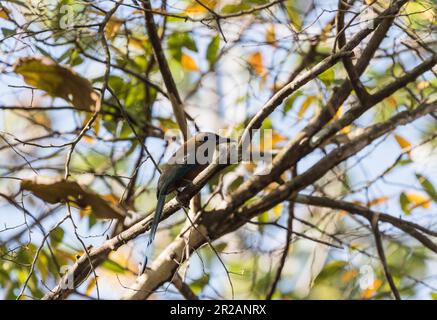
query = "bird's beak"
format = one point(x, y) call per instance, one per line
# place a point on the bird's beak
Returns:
point(224, 140)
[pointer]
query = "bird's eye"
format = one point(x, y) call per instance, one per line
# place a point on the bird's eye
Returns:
point(205, 138)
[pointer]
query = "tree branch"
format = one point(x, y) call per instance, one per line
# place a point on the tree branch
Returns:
point(173, 93)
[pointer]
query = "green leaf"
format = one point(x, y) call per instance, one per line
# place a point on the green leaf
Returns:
point(327, 77)
point(404, 202)
point(212, 50)
point(56, 236)
point(262, 219)
point(427, 186)
point(8, 32)
point(434, 295)
point(198, 284)
point(235, 184)
point(43, 52)
point(233, 8)
point(113, 266)
point(178, 40)
point(293, 14)
point(290, 101)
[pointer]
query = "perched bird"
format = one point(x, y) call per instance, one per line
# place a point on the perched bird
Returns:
point(180, 170)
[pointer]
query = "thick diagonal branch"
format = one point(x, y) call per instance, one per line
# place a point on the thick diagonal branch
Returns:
point(173, 93)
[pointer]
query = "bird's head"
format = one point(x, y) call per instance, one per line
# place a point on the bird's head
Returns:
point(199, 149)
point(209, 138)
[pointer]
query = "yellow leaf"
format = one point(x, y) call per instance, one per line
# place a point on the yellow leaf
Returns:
point(377, 201)
point(4, 13)
point(417, 10)
point(418, 200)
point(346, 129)
point(338, 113)
point(370, 291)
point(196, 8)
point(138, 43)
point(268, 144)
point(325, 32)
point(349, 275)
point(256, 62)
point(277, 138)
point(188, 63)
point(403, 143)
point(277, 210)
point(422, 85)
point(303, 108)
point(58, 81)
point(271, 36)
point(112, 27)
point(91, 285)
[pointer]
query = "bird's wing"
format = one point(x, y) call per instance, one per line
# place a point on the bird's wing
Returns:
point(172, 175)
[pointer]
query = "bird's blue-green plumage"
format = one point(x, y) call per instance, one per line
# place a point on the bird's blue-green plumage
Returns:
point(178, 172)
point(169, 178)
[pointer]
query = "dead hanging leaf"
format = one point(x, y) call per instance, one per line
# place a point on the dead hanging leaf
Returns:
point(271, 36)
point(58, 81)
point(4, 13)
point(59, 190)
point(256, 62)
point(112, 27)
point(402, 142)
point(188, 63)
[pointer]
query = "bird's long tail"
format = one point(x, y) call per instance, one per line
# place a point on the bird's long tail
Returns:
point(153, 228)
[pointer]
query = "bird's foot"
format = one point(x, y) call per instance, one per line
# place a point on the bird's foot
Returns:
point(183, 203)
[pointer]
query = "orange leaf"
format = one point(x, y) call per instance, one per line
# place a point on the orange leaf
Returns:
point(377, 201)
point(349, 275)
point(112, 27)
point(392, 101)
point(370, 291)
point(188, 63)
point(402, 142)
point(256, 62)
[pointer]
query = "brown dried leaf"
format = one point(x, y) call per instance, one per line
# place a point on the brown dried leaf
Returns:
point(58, 81)
point(59, 190)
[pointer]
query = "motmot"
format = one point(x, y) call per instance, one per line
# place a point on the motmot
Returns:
point(184, 165)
